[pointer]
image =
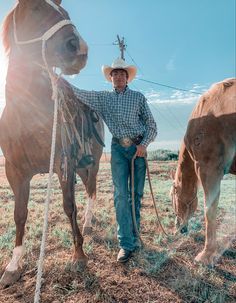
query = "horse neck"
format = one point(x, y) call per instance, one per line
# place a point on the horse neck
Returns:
point(186, 177)
point(26, 80)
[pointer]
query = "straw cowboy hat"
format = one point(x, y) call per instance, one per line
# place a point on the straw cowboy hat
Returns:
point(119, 64)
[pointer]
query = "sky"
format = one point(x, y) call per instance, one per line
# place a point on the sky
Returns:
point(186, 44)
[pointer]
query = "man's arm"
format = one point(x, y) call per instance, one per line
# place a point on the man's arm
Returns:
point(90, 98)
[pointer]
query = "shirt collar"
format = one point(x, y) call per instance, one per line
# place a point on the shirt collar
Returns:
point(125, 90)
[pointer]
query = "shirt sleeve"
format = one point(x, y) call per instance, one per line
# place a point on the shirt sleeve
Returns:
point(90, 98)
point(149, 123)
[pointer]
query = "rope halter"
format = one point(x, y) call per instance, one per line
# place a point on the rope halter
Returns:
point(173, 198)
point(47, 35)
point(44, 38)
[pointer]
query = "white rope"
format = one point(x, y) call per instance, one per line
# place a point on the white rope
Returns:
point(54, 5)
point(48, 34)
point(55, 98)
point(47, 201)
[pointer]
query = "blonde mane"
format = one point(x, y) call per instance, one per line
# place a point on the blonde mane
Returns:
point(219, 88)
point(213, 101)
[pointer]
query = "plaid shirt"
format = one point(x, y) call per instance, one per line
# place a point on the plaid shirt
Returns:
point(126, 113)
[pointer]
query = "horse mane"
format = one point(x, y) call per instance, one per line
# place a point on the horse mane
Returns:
point(5, 31)
point(211, 100)
point(219, 88)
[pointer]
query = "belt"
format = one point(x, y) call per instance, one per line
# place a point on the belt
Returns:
point(127, 142)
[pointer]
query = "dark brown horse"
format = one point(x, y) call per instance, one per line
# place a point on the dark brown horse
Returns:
point(38, 36)
point(207, 153)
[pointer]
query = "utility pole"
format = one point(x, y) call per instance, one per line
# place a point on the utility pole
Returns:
point(122, 46)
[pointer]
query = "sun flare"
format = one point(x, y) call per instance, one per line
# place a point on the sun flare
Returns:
point(3, 72)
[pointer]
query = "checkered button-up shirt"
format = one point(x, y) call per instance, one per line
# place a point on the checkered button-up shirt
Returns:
point(126, 113)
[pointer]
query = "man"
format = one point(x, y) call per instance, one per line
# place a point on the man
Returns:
point(131, 123)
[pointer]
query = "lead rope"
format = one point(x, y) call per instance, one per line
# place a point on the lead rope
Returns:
point(153, 199)
point(55, 97)
point(133, 202)
point(46, 211)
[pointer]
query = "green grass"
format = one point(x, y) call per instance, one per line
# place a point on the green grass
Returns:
point(63, 236)
point(7, 239)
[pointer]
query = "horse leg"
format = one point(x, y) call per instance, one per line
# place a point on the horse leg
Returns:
point(20, 186)
point(68, 190)
point(211, 185)
point(89, 180)
point(88, 216)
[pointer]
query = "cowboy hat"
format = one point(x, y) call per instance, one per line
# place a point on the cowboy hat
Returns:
point(119, 64)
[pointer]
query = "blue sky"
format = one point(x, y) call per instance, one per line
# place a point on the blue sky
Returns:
point(187, 44)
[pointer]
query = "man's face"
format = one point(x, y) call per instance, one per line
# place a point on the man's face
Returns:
point(119, 78)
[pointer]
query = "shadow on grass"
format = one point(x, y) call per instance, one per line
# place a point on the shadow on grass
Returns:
point(191, 283)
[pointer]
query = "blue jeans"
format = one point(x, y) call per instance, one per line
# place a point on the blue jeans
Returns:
point(121, 158)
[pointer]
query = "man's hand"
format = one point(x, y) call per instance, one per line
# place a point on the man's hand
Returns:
point(141, 151)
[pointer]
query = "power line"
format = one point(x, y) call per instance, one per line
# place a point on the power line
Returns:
point(123, 47)
point(101, 44)
point(160, 84)
point(135, 63)
point(168, 86)
point(161, 114)
point(170, 111)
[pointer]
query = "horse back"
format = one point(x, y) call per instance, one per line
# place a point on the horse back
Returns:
point(211, 131)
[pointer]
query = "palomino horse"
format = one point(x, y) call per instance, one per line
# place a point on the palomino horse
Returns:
point(207, 153)
point(38, 35)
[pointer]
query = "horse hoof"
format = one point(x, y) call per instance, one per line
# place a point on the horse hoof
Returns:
point(205, 259)
point(87, 230)
point(9, 278)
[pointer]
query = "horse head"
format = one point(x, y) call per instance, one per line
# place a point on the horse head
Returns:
point(41, 31)
point(182, 205)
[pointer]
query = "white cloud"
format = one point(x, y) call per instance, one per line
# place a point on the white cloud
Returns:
point(172, 99)
point(176, 96)
point(152, 95)
point(199, 87)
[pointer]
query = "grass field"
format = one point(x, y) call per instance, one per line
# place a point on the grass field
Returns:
point(162, 271)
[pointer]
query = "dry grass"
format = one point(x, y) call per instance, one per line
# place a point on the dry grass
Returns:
point(163, 271)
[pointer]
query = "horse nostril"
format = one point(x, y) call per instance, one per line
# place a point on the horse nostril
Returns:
point(72, 45)
point(83, 57)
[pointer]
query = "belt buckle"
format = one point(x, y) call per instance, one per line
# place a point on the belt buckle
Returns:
point(125, 142)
